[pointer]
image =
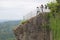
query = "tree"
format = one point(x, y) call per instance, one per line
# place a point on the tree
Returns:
point(55, 21)
point(54, 7)
point(58, 1)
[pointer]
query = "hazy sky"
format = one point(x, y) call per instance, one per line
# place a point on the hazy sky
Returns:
point(16, 9)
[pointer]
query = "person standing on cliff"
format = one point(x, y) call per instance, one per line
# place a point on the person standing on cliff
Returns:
point(45, 6)
point(42, 7)
point(38, 10)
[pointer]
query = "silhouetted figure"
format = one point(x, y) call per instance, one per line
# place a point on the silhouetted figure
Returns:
point(45, 6)
point(42, 7)
point(38, 10)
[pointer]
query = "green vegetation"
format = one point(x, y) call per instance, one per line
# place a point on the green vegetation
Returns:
point(23, 21)
point(6, 30)
point(55, 19)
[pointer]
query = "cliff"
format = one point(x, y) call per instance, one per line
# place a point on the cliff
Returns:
point(36, 28)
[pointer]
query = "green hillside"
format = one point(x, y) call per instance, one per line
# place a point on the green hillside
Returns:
point(6, 30)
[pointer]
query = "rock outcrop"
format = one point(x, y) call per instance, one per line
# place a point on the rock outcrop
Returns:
point(36, 28)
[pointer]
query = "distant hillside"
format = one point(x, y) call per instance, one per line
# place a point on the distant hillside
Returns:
point(2, 20)
point(6, 30)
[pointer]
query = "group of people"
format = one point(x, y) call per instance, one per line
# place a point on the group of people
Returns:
point(41, 8)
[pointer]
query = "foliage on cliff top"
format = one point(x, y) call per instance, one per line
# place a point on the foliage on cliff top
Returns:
point(55, 19)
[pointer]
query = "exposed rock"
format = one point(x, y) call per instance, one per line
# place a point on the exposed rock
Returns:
point(36, 28)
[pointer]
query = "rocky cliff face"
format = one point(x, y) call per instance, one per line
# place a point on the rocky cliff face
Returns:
point(36, 28)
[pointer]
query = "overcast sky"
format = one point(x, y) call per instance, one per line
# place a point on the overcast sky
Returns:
point(16, 9)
